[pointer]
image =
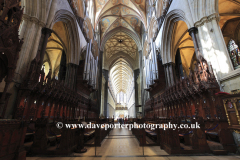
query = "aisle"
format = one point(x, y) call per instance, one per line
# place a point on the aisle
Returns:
point(121, 143)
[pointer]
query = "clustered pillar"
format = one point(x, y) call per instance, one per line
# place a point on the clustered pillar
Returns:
point(105, 74)
point(46, 33)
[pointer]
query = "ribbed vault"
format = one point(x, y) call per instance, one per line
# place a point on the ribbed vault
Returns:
point(120, 42)
point(121, 76)
point(54, 49)
point(128, 14)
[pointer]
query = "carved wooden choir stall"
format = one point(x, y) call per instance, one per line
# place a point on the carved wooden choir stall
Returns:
point(42, 100)
point(46, 101)
point(12, 132)
point(192, 99)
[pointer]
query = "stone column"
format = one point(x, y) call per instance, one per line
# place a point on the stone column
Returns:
point(141, 77)
point(174, 72)
point(168, 81)
point(221, 43)
point(63, 67)
point(71, 75)
point(136, 74)
point(105, 74)
point(29, 31)
point(171, 72)
point(37, 36)
point(140, 68)
point(52, 12)
point(213, 46)
point(192, 32)
point(46, 33)
point(166, 74)
point(100, 79)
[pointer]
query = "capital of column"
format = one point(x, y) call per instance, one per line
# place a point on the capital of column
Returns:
point(192, 31)
point(34, 19)
point(169, 64)
point(25, 17)
point(42, 24)
point(214, 16)
point(46, 31)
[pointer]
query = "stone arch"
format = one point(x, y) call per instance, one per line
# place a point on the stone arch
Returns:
point(168, 28)
point(117, 59)
point(124, 56)
point(74, 45)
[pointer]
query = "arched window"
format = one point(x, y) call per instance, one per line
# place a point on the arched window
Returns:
point(234, 53)
point(46, 68)
point(121, 97)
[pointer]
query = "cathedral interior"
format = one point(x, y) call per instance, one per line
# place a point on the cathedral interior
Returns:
point(119, 62)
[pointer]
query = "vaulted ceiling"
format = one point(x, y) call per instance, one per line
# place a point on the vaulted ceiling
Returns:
point(119, 21)
point(120, 42)
point(55, 46)
point(183, 41)
point(121, 76)
point(128, 14)
point(230, 12)
point(120, 24)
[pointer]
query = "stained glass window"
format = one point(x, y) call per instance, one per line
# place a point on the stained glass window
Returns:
point(234, 53)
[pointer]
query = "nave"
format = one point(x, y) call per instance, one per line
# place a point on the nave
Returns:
point(126, 61)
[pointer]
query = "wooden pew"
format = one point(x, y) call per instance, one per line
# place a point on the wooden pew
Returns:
point(61, 141)
point(30, 132)
point(12, 134)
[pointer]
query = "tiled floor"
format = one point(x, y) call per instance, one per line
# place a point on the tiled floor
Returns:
point(124, 145)
point(127, 148)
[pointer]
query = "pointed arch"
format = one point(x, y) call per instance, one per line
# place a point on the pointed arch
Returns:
point(168, 29)
point(74, 45)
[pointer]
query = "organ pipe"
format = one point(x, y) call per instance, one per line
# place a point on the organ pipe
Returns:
point(89, 60)
point(155, 60)
point(147, 70)
point(90, 71)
